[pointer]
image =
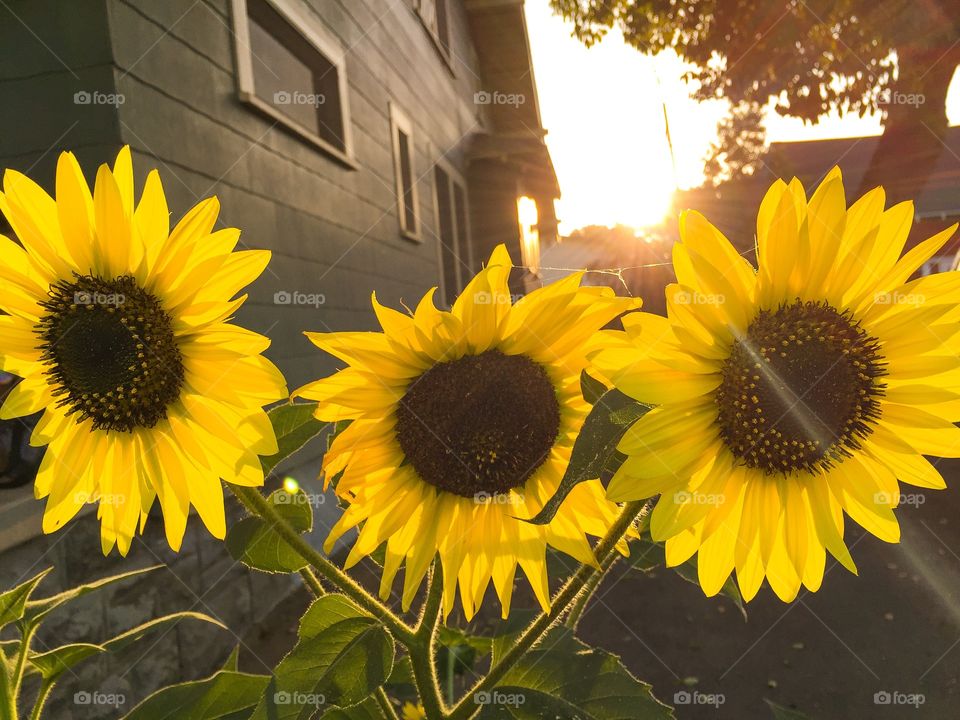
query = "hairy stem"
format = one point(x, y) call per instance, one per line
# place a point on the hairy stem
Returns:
point(41, 700)
point(17, 679)
point(311, 581)
point(257, 504)
point(543, 622)
point(384, 702)
point(579, 605)
point(8, 700)
point(423, 650)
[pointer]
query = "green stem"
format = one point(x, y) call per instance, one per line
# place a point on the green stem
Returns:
point(589, 590)
point(257, 504)
point(423, 651)
point(8, 700)
point(430, 613)
point(451, 659)
point(539, 627)
point(388, 710)
point(41, 700)
point(311, 581)
point(18, 671)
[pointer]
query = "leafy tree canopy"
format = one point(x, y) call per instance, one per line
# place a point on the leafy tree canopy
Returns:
point(810, 56)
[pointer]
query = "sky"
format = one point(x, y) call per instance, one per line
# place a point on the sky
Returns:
point(603, 109)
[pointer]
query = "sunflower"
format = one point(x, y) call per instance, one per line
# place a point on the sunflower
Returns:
point(462, 423)
point(119, 328)
point(413, 712)
point(792, 394)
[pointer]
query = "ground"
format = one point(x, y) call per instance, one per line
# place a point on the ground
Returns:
point(891, 634)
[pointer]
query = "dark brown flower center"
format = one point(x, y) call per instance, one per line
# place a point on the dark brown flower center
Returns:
point(480, 425)
point(800, 390)
point(110, 350)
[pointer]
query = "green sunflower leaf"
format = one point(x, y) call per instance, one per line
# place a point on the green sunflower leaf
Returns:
point(37, 610)
point(164, 623)
point(401, 677)
point(369, 709)
point(563, 677)
point(13, 603)
point(232, 663)
point(52, 663)
point(223, 696)
point(591, 388)
point(254, 542)
point(343, 656)
point(295, 426)
point(594, 447)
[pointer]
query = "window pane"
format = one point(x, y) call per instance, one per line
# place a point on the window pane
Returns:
point(448, 240)
point(292, 76)
point(443, 32)
point(406, 182)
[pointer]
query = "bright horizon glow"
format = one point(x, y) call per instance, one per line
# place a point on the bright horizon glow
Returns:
point(603, 109)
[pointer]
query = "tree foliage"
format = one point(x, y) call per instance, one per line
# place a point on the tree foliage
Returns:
point(810, 56)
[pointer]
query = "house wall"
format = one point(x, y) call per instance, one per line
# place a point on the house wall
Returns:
point(46, 58)
point(333, 231)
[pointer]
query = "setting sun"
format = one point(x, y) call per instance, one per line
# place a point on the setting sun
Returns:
point(605, 108)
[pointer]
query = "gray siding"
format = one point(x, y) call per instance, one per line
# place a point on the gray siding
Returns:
point(332, 230)
point(45, 59)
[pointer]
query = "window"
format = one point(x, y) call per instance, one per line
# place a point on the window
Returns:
point(433, 15)
point(443, 28)
point(290, 69)
point(453, 230)
point(403, 170)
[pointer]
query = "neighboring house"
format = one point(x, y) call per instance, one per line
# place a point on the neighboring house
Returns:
point(732, 206)
point(631, 262)
point(383, 145)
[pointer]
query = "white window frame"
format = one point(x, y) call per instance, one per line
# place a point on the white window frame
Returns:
point(454, 177)
point(433, 31)
point(314, 32)
point(400, 122)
